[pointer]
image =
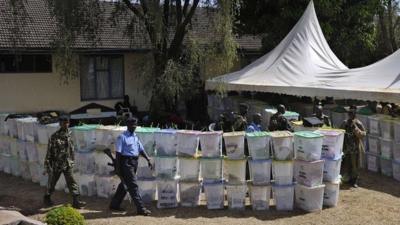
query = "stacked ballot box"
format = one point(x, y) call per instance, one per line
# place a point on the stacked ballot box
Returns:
point(300, 169)
point(383, 152)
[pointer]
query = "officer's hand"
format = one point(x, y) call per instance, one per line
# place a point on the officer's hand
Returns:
point(150, 165)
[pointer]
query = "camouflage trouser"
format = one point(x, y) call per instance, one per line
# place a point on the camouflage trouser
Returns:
point(54, 176)
point(351, 164)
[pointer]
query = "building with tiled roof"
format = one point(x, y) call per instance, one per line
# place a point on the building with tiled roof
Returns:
point(109, 69)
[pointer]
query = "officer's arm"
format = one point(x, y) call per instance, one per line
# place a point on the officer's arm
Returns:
point(343, 125)
point(49, 155)
point(327, 121)
point(118, 154)
point(359, 130)
point(142, 152)
point(72, 150)
point(288, 126)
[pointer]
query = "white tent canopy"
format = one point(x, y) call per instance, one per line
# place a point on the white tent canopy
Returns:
point(302, 62)
point(379, 81)
point(304, 65)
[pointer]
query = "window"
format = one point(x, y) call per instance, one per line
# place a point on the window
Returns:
point(26, 63)
point(102, 77)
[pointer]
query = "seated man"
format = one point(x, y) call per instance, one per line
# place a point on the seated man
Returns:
point(125, 105)
point(321, 116)
point(224, 123)
point(240, 121)
point(255, 126)
point(278, 122)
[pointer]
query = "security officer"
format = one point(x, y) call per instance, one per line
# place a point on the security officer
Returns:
point(353, 145)
point(60, 160)
point(240, 123)
point(128, 149)
point(278, 121)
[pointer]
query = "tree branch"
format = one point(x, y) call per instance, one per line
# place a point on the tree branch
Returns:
point(145, 8)
point(191, 13)
point(391, 27)
point(165, 34)
point(185, 7)
point(134, 9)
point(178, 11)
point(180, 32)
point(166, 12)
point(143, 15)
point(384, 32)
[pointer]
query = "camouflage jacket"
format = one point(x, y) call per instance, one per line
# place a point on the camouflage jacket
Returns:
point(279, 122)
point(240, 123)
point(355, 132)
point(60, 151)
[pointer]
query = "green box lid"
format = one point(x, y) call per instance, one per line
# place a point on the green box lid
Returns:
point(146, 129)
point(308, 134)
point(86, 127)
point(287, 113)
point(366, 111)
point(290, 113)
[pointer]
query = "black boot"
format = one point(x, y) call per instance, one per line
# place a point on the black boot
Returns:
point(47, 200)
point(116, 209)
point(76, 203)
point(354, 182)
point(143, 212)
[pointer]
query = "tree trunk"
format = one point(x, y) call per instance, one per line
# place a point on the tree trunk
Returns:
point(391, 27)
point(384, 32)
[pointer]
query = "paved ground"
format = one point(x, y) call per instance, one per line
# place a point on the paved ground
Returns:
point(377, 201)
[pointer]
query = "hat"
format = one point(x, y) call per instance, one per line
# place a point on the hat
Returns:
point(257, 114)
point(244, 105)
point(352, 108)
point(63, 118)
point(132, 120)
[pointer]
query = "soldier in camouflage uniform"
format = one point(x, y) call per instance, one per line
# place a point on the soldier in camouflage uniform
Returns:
point(60, 160)
point(353, 146)
point(240, 123)
point(278, 122)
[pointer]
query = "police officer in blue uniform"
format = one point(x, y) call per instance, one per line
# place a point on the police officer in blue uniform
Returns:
point(255, 126)
point(128, 149)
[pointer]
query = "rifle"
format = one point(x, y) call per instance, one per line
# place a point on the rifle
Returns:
point(113, 163)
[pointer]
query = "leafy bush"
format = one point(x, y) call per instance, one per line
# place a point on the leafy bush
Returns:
point(64, 215)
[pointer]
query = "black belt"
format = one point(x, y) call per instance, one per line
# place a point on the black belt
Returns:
point(129, 157)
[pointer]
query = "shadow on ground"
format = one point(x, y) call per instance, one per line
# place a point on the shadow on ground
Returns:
point(378, 182)
point(26, 197)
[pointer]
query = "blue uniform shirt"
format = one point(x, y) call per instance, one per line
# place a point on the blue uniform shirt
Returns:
point(253, 128)
point(128, 144)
